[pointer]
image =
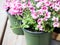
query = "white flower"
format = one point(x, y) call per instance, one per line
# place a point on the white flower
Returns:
point(23, 0)
point(24, 5)
point(54, 0)
point(38, 4)
point(40, 27)
point(36, 0)
point(56, 24)
point(55, 19)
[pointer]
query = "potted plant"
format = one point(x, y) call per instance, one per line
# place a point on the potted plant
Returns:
point(14, 10)
point(39, 19)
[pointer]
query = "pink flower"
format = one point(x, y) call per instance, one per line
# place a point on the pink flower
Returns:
point(8, 0)
point(20, 11)
point(44, 8)
point(51, 5)
point(32, 9)
point(6, 7)
point(40, 12)
point(56, 24)
point(34, 15)
point(39, 21)
point(15, 3)
point(29, 4)
point(16, 8)
point(48, 3)
point(58, 0)
point(56, 8)
point(45, 19)
point(55, 19)
point(13, 12)
point(18, 5)
point(48, 14)
point(40, 27)
point(7, 4)
point(12, 5)
point(41, 0)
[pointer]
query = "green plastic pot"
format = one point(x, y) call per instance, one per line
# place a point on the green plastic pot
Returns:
point(14, 22)
point(37, 38)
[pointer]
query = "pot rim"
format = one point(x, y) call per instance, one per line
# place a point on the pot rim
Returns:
point(34, 32)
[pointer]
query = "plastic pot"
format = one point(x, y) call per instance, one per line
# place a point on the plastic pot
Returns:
point(14, 22)
point(37, 38)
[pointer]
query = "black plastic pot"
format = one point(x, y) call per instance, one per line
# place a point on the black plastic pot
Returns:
point(14, 22)
point(37, 38)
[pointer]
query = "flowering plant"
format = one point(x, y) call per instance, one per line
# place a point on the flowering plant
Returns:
point(37, 15)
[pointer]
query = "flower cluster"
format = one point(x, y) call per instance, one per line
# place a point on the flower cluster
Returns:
point(43, 11)
point(15, 7)
point(43, 15)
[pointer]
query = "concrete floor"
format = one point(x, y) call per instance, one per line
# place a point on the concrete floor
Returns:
point(54, 42)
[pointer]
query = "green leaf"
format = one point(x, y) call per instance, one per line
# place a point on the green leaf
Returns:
point(18, 17)
point(36, 28)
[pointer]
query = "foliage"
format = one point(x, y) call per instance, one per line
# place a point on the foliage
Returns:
point(38, 15)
